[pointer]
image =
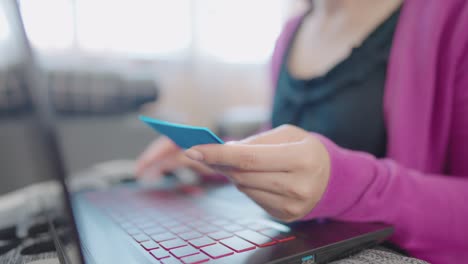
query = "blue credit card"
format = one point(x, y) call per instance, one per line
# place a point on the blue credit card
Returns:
point(184, 136)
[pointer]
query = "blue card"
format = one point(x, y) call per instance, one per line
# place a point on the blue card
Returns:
point(183, 135)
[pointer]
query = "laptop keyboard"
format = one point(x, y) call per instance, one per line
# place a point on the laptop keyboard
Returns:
point(174, 229)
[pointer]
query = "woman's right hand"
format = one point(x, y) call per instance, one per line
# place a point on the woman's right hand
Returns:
point(163, 156)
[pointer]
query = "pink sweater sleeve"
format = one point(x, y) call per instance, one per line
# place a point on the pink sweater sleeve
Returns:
point(428, 211)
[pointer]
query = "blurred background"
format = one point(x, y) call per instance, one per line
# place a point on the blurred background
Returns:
point(201, 62)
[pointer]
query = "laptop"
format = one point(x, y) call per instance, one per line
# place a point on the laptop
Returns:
point(213, 223)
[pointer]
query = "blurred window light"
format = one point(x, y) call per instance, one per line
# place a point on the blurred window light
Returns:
point(4, 26)
point(134, 27)
point(239, 31)
point(232, 31)
point(48, 23)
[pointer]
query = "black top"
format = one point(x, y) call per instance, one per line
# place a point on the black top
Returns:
point(345, 104)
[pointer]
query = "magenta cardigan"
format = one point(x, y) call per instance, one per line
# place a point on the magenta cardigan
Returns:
point(421, 187)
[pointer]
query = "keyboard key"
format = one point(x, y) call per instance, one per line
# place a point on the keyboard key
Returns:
point(148, 245)
point(202, 242)
point(257, 226)
point(127, 225)
point(155, 214)
point(233, 228)
point(174, 243)
point(170, 260)
point(139, 221)
point(221, 222)
point(133, 231)
point(184, 251)
point(141, 238)
point(207, 229)
point(237, 244)
point(217, 251)
point(220, 235)
point(159, 253)
point(244, 221)
point(163, 237)
point(208, 218)
point(197, 223)
point(195, 259)
point(162, 219)
point(277, 235)
point(180, 229)
point(190, 235)
point(256, 238)
point(154, 231)
point(171, 223)
point(146, 225)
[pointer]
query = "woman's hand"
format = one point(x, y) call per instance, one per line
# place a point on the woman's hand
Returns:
point(162, 157)
point(284, 170)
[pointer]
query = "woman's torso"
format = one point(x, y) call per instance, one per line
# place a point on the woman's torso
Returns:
point(346, 102)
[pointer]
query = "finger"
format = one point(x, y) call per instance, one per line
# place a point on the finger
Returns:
point(158, 169)
point(152, 173)
point(156, 151)
point(174, 162)
point(279, 157)
point(196, 166)
point(273, 182)
point(276, 205)
point(281, 134)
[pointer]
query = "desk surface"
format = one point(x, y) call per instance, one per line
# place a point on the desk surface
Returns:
point(377, 255)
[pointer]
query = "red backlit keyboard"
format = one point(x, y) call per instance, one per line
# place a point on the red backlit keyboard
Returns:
point(176, 230)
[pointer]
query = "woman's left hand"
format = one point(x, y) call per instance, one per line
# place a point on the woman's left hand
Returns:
point(284, 170)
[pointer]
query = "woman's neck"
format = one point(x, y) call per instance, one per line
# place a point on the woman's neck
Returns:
point(351, 7)
point(331, 30)
point(350, 14)
point(331, 6)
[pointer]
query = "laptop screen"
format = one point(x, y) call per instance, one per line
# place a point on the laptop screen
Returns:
point(24, 106)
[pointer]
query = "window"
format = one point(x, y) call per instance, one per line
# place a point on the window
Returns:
point(239, 31)
point(4, 26)
point(48, 23)
point(232, 31)
point(134, 27)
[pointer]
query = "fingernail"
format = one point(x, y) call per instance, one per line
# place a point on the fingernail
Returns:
point(194, 154)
